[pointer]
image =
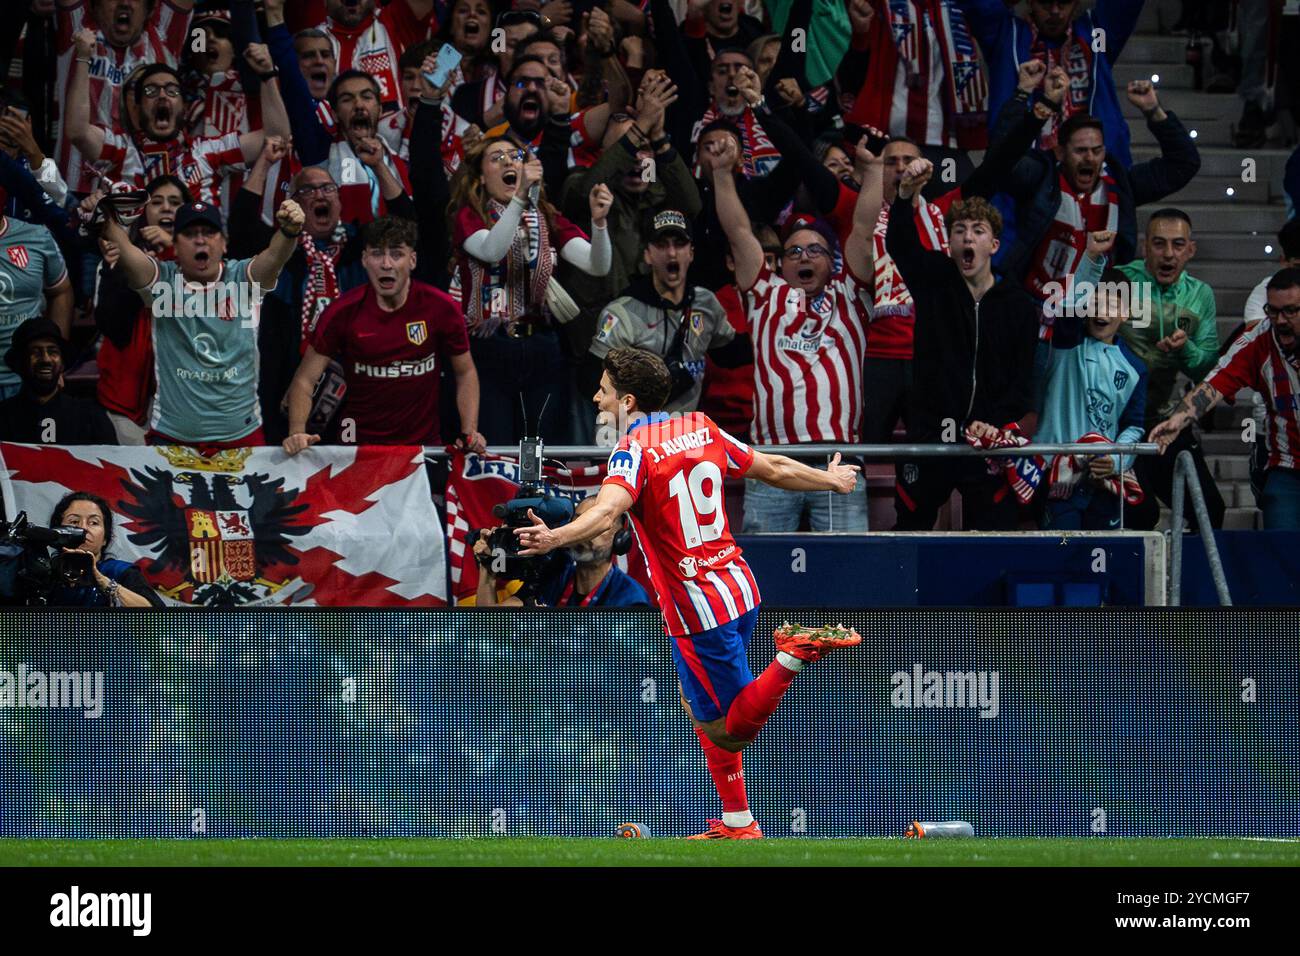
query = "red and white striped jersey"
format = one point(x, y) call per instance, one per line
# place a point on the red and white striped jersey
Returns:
point(1256, 361)
point(376, 44)
point(893, 311)
point(163, 39)
point(673, 467)
point(808, 358)
point(199, 162)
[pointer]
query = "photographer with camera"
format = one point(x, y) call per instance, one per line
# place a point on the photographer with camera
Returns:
point(587, 577)
point(102, 581)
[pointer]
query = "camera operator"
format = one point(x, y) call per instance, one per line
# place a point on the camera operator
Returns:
point(116, 583)
point(587, 578)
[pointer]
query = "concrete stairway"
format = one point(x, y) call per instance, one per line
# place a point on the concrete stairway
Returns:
point(1235, 222)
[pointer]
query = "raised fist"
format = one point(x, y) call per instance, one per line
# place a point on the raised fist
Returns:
point(1143, 95)
point(275, 148)
point(290, 217)
point(1031, 74)
point(258, 57)
point(601, 199)
point(1058, 81)
point(915, 176)
point(1100, 243)
point(86, 42)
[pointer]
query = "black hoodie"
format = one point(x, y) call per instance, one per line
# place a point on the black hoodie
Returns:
point(972, 361)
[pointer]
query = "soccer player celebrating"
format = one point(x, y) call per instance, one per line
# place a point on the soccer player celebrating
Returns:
point(668, 472)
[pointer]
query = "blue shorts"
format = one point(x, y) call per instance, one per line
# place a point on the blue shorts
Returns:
point(714, 666)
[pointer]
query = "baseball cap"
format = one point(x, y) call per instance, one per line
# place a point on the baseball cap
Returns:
point(194, 212)
point(670, 222)
point(36, 328)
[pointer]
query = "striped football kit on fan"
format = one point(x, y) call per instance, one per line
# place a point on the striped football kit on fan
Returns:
point(808, 352)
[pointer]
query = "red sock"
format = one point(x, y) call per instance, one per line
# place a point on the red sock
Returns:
point(728, 778)
point(758, 701)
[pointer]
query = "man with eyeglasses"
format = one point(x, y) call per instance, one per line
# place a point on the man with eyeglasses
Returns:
point(128, 34)
point(537, 116)
point(1174, 331)
point(1266, 359)
point(809, 331)
point(162, 146)
point(326, 264)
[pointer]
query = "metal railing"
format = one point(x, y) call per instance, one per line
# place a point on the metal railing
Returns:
point(1185, 477)
point(820, 450)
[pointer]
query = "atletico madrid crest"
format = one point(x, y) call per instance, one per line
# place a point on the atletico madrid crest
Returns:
point(417, 332)
point(18, 256)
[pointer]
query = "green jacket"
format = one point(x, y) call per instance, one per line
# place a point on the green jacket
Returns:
point(673, 187)
point(1156, 312)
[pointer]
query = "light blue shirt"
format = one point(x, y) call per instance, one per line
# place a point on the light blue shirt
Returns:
point(1091, 386)
point(205, 354)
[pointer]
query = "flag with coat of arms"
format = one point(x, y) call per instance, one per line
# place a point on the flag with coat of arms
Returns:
point(336, 526)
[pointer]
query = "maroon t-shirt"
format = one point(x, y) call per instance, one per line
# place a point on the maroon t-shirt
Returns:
point(392, 360)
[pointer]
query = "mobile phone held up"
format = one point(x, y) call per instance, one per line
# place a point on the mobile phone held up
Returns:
point(448, 59)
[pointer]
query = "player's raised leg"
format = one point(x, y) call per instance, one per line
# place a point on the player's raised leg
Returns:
point(795, 647)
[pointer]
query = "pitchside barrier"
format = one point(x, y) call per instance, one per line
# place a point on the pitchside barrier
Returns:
point(458, 723)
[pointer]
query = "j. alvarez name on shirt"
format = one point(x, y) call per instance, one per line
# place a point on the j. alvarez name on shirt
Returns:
point(675, 446)
point(397, 369)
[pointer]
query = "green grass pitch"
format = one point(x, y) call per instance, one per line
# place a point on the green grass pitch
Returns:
point(549, 851)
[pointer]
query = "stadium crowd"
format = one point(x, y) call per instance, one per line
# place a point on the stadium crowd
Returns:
point(291, 222)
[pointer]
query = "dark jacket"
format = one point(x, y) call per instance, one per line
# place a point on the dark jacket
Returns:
point(123, 572)
point(1034, 183)
point(75, 421)
point(972, 361)
point(629, 221)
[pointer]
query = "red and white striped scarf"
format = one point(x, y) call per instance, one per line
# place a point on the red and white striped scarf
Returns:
point(758, 154)
point(368, 47)
point(322, 284)
point(524, 274)
point(900, 71)
point(1075, 57)
point(1066, 240)
point(1023, 474)
point(1068, 470)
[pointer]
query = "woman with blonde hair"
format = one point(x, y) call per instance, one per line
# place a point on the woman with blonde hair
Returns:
point(507, 239)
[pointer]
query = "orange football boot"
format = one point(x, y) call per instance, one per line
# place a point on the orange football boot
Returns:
point(810, 643)
point(720, 831)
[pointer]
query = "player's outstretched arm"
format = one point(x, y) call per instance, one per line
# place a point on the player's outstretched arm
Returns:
point(537, 538)
point(782, 472)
